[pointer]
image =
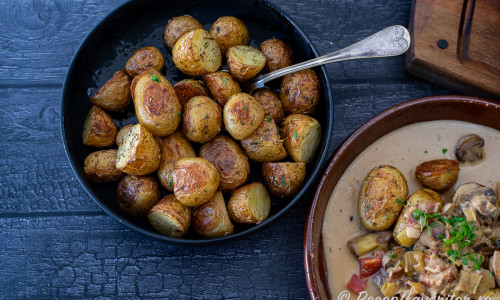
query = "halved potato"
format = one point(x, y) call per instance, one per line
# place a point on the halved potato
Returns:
point(302, 136)
point(284, 179)
point(264, 144)
point(170, 217)
point(136, 195)
point(114, 95)
point(242, 115)
point(270, 103)
point(99, 130)
point(201, 119)
point(278, 53)
point(249, 204)
point(221, 86)
point(189, 88)
point(122, 133)
point(211, 220)
point(245, 62)
point(439, 174)
point(228, 32)
point(143, 59)
point(177, 27)
point(100, 166)
point(299, 92)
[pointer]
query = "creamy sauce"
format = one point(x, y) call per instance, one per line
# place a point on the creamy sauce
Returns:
point(404, 148)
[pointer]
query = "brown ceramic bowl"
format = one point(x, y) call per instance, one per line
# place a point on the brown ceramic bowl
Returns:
point(469, 109)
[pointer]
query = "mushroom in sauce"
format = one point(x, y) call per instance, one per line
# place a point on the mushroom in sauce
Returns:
point(469, 148)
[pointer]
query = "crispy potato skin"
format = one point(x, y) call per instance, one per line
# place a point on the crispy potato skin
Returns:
point(284, 179)
point(99, 130)
point(143, 59)
point(245, 62)
point(211, 220)
point(270, 103)
point(229, 160)
point(242, 115)
point(177, 27)
point(195, 180)
point(221, 86)
point(299, 92)
point(136, 195)
point(378, 205)
point(115, 94)
point(278, 53)
point(100, 166)
point(189, 88)
point(228, 32)
point(264, 144)
point(137, 78)
point(156, 104)
point(201, 119)
point(439, 174)
point(249, 204)
point(301, 135)
point(122, 133)
point(170, 217)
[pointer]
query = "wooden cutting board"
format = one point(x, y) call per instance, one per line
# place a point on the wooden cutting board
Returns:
point(456, 44)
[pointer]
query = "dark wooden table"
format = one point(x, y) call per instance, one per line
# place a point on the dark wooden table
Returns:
point(55, 242)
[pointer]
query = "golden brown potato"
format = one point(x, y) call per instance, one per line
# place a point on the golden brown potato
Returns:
point(201, 119)
point(249, 204)
point(245, 62)
point(156, 104)
point(278, 53)
point(99, 130)
point(439, 174)
point(139, 153)
point(299, 92)
point(122, 133)
point(228, 32)
point(302, 135)
point(143, 59)
point(136, 195)
point(196, 53)
point(242, 115)
point(211, 220)
point(381, 197)
point(264, 144)
point(114, 95)
point(229, 160)
point(170, 217)
point(195, 180)
point(221, 86)
point(189, 88)
point(177, 27)
point(270, 103)
point(136, 78)
point(100, 166)
point(284, 179)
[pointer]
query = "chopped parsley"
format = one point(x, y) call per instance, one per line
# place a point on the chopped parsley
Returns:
point(178, 114)
point(171, 183)
point(245, 108)
point(155, 78)
point(394, 255)
point(295, 135)
point(283, 183)
point(367, 207)
point(400, 201)
point(270, 119)
point(224, 81)
point(205, 45)
point(425, 151)
point(444, 150)
point(387, 216)
point(251, 123)
point(206, 116)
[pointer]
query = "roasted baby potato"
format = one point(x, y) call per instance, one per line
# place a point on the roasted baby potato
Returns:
point(302, 135)
point(139, 153)
point(278, 53)
point(100, 166)
point(195, 180)
point(299, 92)
point(221, 86)
point(201, 119)
point(114, 95)
point(249, 204)
point(242, 115)
point(99, 129)
point(122, 133)
point(229, 160)
point(136, 78)
point(439, 174)
point(264, 144)
point(211, 220)
point(196, 53)
point(284, 179)
point(170, 217)
point(270, 103)
point(228, 32)
point(143, 59)
point(381, 197)
point(189, 88)
point(245, 62)
point(136, 195)
point(177, 27)
point(156, 103)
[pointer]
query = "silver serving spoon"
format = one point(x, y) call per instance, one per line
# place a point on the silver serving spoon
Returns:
point(392, 41)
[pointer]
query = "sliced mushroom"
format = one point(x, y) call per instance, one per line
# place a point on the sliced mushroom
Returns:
point(469, 148)
point(495, 266)
point(475, 198)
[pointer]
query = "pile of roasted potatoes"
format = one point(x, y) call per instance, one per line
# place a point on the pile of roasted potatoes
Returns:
point(194, 140)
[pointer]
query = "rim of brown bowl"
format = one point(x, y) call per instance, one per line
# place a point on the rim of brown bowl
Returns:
point(451, 107)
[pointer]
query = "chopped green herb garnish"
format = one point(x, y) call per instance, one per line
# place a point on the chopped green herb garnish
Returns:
point(367, 207)
point(394, 255)
point(251, 123)
point(224, 81)
point(400, 201)
point(387, 216)
point(205, 45)
point(270, 119)
point(178, 114)
point(283, 183)
point(444, 150)
point(245, 108)
point(155, 78)
point(206, 116)
point(426, 152)
point(295, 135)
point(171, 183)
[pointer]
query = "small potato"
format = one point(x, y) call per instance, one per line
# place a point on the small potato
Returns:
point(381, 197)
point(156, 104)
point(201, 119)
point(439, 174)
point(195, 180)
point(245, 62)
point(122, 133)
point(299, 92)
point(143, 59)
point(231, 163)
point(137, 78)
point(264, 144)
point(170, 217)
point(99, 130)
point(211, 220)
point(136, 195)
point(221, 86)
point(196, 53)
point(100, 166)
point(284, 179)
point(177, 27)
point(270, 103)
point(278, 53)
point(242, 115)
point(302, 135)
point(114, 95)
point(228, 32)
point(139, 153)
point(189, 88)
point(249, 204)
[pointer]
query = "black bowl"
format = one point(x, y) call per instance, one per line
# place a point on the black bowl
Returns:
point(140, 23)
